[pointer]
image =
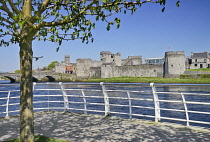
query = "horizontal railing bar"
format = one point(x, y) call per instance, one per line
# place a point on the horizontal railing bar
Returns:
point(48, 102)
point(142, 107)
point(85, 96)
point(138, 99)
point(95, 111)
point(10, 91)
point(131, 106)
point(85, 103)
point(48, 95)
point(170, 101)
point(13, 111)
point(177, 119)
point(110, 97)
point(198, 112)
point(75, 102)
point(119, 105)
point(94, 103)
point(120, 113)
point(198, 103)
point(93, 90)
point(14, 104)
point(15, 97)
point(200, 122)
point(106, 83)
point(49, 108)
point(142, 115)
point(86, 110)
point(183, 93)
point(5, 98)
point(179, 110)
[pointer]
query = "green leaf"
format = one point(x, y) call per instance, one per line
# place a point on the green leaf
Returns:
point(57, 49)
point(163, 9)
point(108, 27)
point(178, 3)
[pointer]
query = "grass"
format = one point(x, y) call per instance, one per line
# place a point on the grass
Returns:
point(202, 69)
point(151, 79)
point(39, 138)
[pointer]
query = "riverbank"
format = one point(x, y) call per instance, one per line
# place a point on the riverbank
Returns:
point(137, 80)
point(88, 128)
point(152, 80)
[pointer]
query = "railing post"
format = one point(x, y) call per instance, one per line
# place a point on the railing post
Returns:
point(156, 103)
point(7, 107)
point(34, 84)
point(85, 102)
point(106, 100)
point(130, 107)
point(65, 97)
point(186, 110)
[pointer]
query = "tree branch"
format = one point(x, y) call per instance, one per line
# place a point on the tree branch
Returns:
point(15, 10)
point(6, 20)
point(41, 9)
point(51, 24)
point(124, 3)
point(6, 9)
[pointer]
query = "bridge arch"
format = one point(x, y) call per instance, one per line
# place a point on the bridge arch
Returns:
point(12, 80)
point(35, 79)
point(50, 78)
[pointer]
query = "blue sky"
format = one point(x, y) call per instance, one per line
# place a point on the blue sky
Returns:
point(147, 33)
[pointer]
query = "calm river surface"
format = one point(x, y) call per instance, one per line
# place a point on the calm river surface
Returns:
point(205, 89)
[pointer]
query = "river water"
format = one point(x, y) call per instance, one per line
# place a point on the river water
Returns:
point(204, 89)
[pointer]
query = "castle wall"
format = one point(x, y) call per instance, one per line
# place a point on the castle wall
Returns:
point(132, 71)
point(83, 68)
point(96, 63)
point(111, 66)
point(95, 72)
point(60, 68)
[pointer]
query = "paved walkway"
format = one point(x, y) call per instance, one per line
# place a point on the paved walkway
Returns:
point(91, 128)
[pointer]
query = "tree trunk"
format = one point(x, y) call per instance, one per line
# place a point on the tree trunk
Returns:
point(26, 91)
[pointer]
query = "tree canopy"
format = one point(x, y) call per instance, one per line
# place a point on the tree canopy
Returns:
point(52, 65)
point(58, 20)
point(23, 21)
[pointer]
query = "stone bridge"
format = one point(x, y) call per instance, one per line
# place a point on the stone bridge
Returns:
point(15, 77)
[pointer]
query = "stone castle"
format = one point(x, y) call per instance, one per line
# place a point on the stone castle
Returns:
point(111, 65)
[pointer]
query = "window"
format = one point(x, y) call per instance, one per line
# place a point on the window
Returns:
point(201, 65)
point(196, 60)
point(195, 65)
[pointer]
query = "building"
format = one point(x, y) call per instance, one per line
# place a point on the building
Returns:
point(65, 66)
point(154, 61)
point(199, 60)
point(111, 65)
point(173, 64)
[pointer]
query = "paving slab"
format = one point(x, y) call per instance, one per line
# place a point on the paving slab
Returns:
point(95, 128)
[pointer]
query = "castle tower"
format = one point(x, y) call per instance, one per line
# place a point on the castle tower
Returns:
point(67, 59)
point(174, 63)
point(108, 57)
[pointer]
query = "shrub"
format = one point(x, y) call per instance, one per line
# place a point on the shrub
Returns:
point(204, 75)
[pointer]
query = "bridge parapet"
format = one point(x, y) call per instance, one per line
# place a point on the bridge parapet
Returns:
point(15, 77)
